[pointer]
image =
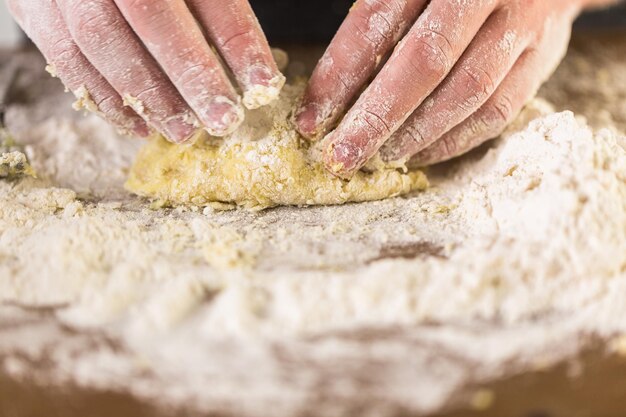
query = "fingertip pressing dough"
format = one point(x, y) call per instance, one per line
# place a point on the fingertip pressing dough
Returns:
point(265, 163)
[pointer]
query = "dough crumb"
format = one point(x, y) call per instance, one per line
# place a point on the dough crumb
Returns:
point(15, 165)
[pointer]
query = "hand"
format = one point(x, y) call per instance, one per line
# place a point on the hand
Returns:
point(460, 72)
point(153, 56)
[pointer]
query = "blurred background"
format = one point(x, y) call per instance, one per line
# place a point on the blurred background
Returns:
point(302, 22)
point(289, 21)
point(8, 31)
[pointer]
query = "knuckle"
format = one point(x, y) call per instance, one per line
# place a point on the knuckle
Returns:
point(444, 148)
point(152, 93)
point(414, 133)
point(362, 35)
point(344, 83)
point(373, 6)
point(148, 12)
point(375, 122)
point(532, 54)
point(110, 104)
point(448, 148)
point(63, 53)
point(503, 108)
point(241, 36)
point(475, 126)
point(195, 74)
point(495, 117)
point(387, 13)
point(478, 83)
point(137, 5)
point(375, 23)
point(429, 55)
point(113, 110)
point(87, 19)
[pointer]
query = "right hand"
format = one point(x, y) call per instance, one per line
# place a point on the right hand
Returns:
point(458, 73)
point(145, 64)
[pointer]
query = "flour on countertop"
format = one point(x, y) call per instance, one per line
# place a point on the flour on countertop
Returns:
point(534, 228)
point(508, 263)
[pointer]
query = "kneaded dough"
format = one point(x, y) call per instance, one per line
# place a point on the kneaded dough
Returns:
point(265, 163)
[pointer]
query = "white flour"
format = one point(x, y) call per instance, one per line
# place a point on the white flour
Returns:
point(508, 263)
point(530, 241)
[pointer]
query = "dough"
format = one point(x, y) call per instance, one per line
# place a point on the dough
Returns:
point(264, 164)
point(13, 161)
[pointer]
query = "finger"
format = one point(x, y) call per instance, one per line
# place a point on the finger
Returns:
point(370, 31)
point(420, 62)
point(107, 41)
point(236, 33)
point(493, 117)
point(532, 69)
point(44, 24)
point(469, 85)
point(171, 34)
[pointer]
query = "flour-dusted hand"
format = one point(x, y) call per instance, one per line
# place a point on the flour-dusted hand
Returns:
point(147, 63)
point(459, 73)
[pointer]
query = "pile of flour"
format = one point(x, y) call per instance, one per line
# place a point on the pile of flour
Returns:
point(528, 241)
point(512, 261)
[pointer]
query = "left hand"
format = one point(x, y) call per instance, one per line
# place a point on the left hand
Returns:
point(461, 71)
point(140, 63)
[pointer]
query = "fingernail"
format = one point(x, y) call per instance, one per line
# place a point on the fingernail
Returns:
point(341, 158)
point(315, 119)
point(222, 117)
point(178, 130)
point(264, 86)
point(306, 122)
point(260, 75)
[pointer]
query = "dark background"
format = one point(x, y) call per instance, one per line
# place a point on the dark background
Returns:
point(316, 21)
